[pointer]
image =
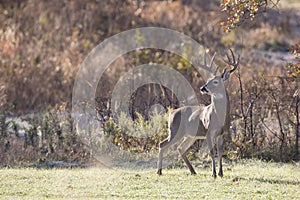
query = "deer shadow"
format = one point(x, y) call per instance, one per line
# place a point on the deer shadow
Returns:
point(267, 180)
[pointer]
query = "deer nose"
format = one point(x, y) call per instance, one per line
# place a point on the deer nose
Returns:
point(203, 89)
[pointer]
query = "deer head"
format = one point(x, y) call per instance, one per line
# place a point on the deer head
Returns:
point(215, 85)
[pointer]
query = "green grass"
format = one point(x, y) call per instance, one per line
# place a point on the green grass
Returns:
point(247, 180)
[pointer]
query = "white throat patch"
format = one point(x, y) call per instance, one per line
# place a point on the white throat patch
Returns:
point(218, 96)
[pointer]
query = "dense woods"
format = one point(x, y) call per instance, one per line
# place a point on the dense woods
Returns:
point(43, 43)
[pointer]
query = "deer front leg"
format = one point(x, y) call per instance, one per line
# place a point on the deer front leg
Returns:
point(212, 154)
point(220, 153)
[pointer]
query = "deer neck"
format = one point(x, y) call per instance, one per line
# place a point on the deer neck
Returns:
point(219, 104)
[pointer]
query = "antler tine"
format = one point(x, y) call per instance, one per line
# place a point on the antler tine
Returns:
point(209, 67)
point(205, 58)
point(217, 69)
point(212, 60)
point(211, 63)
point(233, 62)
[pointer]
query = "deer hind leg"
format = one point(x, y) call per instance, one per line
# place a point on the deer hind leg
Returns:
point(182, 149)
point(212, 154)
point(163, 146)
point(220, 153)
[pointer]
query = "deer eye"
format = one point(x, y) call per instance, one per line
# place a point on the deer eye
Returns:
point(215, 82)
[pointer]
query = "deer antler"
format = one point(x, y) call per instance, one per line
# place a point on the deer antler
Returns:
point(232, 61)
point(209, 67)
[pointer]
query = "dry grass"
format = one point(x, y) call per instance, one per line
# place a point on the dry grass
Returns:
point(285, 4)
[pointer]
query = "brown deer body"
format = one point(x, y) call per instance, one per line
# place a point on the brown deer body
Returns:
point(190, 123)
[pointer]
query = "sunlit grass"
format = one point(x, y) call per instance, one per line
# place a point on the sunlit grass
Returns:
point(249, 180)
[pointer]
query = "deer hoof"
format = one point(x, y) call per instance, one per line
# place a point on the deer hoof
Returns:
point(220, 174)
point(214, 176)
point(159, 172)
point(193, 173)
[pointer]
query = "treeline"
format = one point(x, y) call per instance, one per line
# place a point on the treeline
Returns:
point(43, 44)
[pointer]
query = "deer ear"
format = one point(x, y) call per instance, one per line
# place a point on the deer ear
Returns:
point(225, 75)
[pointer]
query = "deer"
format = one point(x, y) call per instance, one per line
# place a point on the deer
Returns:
point(211, 122)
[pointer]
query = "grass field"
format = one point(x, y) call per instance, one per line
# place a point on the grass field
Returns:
point(245, 180)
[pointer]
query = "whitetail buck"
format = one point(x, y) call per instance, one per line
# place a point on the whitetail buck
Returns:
point(190, 123)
